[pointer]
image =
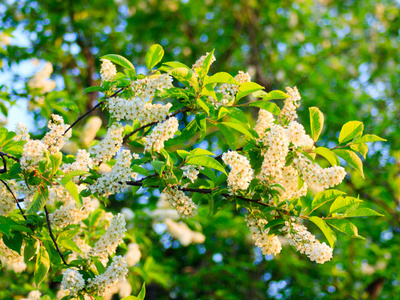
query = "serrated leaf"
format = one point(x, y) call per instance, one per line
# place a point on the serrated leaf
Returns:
point(42, 265)
point(352, 159)
point(158, 166)
point(368, 138)
point(325, 196)
point(203, 106)
point(38, 201)
point(328, 155)
point(15, 242)
point(316, 122)
point(119, 60)
point(73, 190)
point(221, 77)
point(350, 130)
point(56, 160)
point(93, 89)
point(183, 153)
point(238, 114)
point(154, 56)
point(341, 204)
point(360, 148)
point(239, 128)
point(269, 106)
point(273, 223)
point(189, 131)
point(206, 161)
point(344, 226)
point(201, 152)
point(329, 234)
point(228, 135)
point(363, 212)
point(207, 62)
point(275, 95)
point(175, 65)
point(185, 75)
point(247, 88)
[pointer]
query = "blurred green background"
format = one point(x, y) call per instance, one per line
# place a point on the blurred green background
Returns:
point(342, 55)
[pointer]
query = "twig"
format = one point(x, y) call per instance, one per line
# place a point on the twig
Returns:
point(2, 154)
point(15, 198)
point(52, 236)
point(89, 111)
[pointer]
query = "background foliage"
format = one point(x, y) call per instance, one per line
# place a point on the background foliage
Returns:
point(342, 55)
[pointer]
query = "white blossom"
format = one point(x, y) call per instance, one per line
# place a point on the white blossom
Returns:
point(191, 172)
point(73, 281)
point(242, 174)
point(110, 144)
point(199, 63)
point(54, 139)
point(183, 233)
point(161, 133)
point(133, 255)
point(288, 112)
point(178, 200)
point(7, 200)
point(32, 154)
point(264, 121)
point(41, 80)
point(147, 87)
point(90, 130)
point(22, 132)
point(108, 71)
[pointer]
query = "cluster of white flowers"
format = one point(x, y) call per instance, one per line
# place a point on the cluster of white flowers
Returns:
point(137, 109)
point(133, 255)
point(264, 121)
point(90, 130)
point(317, 177)
point(115, 181)
point(289, 182)
point(241, 174)
point(268, 243)
point(164, 211)
point(161, 133)
point(116, 272)
point(297, 135)
point(73, 281)
point(11, 259)
point(191, 172)
point(306, 243)
point(82, 162)
point(110, 144)
point(183, 233)
point(199, 63)
point(178, 200)
point(41, 80)
point(288, 112)
point(22, 132)
point(108, 71)
point(54, 139)
point(33, 295)
point(147, 87)
point(228, 91)
point(275, 155)
point(109, 242)
point(7, 201)
point(32, 154)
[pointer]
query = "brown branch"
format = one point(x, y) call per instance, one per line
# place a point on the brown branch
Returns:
point(52, 236)
point(9, 156)
point(126, 137)
point(15, 198)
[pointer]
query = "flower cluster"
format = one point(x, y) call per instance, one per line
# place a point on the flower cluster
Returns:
point(264, 121)
point(298, 137)
point(164, 210)
point(306, 243)
point(183, 233)
point(115, 181)
point(133, 255)
point(41, 80)
point(108, 71)
point(115, 273)
point(11, 259)
point(161, 133)
point(90, 130)
point(199, 63)
point(268, 243)
point(317, 177)
point(73, 281)
point(290, 184)
point(191, 172)
point(288, 112)
point(147, 87)
point(109, 242)
point(82, 162)
point(33, 154)
point(137, 109)
point(22, 132)
point(110, 144)
point(55, 138)
point(33, 295)
point(178, 200)
point(7, 200)
point(241, 174)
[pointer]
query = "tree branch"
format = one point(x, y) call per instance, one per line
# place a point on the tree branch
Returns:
point(9, 156)
point(15, 198)
point(52, 236)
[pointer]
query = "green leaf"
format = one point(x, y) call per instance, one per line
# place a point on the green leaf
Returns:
point(73, 174)
point(208, 90)
point(119, 60)
point(158, 166)
point(68, 104)
point(206, 161)
point(325, 196)
point(56, 160)
point(39, 200)
point(239, 128)
point(275, 95)
point(93, 89)
point(183, 153)
point(269, 106)
point(221, 77)
point(189, 131)
point(203, 106)
point(329, 234)
point(360, 148)
point(73, 190)
point(363, 212)
point(238, 114)
point(42, 265)
point(328, 155)
point(142, 293)
point(15, 242)
point(207, 62)
point(228, 135)
point(368, 138)
point(316, 122)
point(350, 130)
point(352, 159)
point(344, 226)
point(274, 223)
point(154, 56)
point(201, 152)
point(185, 76)
point(175, 65)
point(247, 88)
point(341, 204)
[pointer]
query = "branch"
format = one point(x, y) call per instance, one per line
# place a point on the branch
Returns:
point(126, 137)
point(15, 198)
point(89, 111)
point(52, 236)
point(2, 154)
